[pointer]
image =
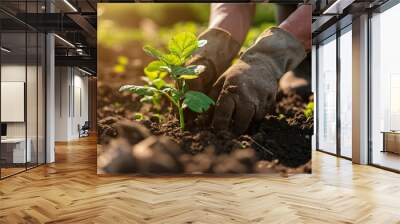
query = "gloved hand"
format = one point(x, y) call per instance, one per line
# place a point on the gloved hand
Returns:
point(216, 55)
point(298, 81)
point(247, 90)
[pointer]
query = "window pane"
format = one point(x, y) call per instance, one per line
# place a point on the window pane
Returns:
point(385, 84)
point(327, 96)
point(346, 93)
point(14, 153)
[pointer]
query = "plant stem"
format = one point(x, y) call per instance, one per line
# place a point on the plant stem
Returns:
point(180, 110)
point(170, 99)
point(181, 118)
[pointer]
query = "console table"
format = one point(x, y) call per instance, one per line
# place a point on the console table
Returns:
point(391, 141)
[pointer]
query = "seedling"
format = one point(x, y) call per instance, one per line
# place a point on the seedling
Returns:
point(138, 116)
point(120, 67)
point(172, 64)
point(309, 111)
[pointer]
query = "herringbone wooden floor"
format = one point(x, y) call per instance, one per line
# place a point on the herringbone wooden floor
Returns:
point(69, 191)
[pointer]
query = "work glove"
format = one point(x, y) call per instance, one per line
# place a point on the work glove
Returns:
point(247, 90)
point(216, 56)
point(298, 81)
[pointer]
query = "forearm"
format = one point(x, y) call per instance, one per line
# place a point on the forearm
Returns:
point(233, 17)
point(299, 25)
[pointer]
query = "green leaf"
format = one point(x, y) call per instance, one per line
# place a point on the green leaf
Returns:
point(309, 110)
point(138, 116)
point(174, 93)
point(158, 83)
point(150, 75)
point(171, 59)
point(122, 60)
point(154, 70)
point(166, 69)
point(188, 77)
point(183, 45)
point(179, 70)
point(176, 96)
point(154, 66)
point(119, 69)
point(168, 90)
point(190, 72)
point(162, 75)
point(146, 99)
point(151, 51)
point(140, 90)
point(197, 101)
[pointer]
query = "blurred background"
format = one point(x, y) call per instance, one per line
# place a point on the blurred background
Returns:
point(124, 28)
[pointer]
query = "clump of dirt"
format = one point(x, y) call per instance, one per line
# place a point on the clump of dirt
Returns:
point(282, 139)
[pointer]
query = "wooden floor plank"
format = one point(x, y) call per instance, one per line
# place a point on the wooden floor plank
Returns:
point(70, 191)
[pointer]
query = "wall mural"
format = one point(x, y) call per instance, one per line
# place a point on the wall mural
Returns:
point(175, 96)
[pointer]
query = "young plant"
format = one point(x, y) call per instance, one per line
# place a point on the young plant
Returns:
point(154, 79)
point(120, 67)
point(181, 47)
point(281, 116)
point(309, 110)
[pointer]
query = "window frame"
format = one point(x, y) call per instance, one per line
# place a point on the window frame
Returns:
point(338, 29)
point(29, 29)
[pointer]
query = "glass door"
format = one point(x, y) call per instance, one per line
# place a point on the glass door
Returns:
point(14, 153)
point(22, 77)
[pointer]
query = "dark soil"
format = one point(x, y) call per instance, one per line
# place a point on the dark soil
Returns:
point(285, 139)
point(282, 138)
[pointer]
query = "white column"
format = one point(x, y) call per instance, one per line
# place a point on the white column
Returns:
point(360, 90)
point(50, 92)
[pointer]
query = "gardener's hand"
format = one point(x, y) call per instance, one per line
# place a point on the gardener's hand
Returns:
point(216, 56)
point(247, 90)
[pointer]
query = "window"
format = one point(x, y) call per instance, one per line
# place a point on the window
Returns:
point(327, 95)
point(22, 77)
point(346, 74)
point(385, 89)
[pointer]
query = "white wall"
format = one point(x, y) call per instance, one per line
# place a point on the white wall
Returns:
point(33, 126)
point(13, 73)
point(71, 93)
point(61, 103)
